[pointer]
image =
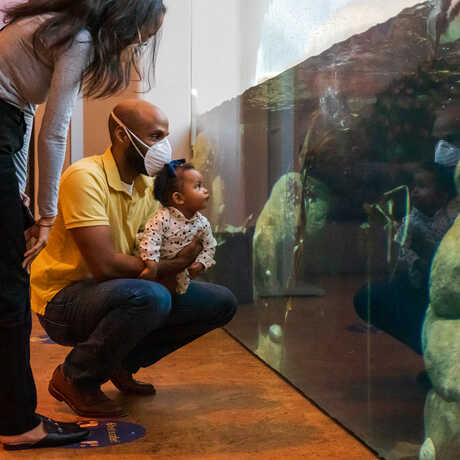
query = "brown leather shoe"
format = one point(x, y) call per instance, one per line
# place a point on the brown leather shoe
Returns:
point(87, 402)
point(124, 381)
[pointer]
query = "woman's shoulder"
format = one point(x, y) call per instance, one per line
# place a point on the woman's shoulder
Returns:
point(24, 27)
point(33, 21)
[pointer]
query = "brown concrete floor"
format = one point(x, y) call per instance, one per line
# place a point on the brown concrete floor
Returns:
point(214, 401)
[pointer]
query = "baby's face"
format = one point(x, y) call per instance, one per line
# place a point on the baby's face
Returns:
point(425, 193)
point(195, 193)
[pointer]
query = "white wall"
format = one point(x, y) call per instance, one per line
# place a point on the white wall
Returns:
point(173, 86)
point(216, 51)
point(171, 91)
point(239, 43)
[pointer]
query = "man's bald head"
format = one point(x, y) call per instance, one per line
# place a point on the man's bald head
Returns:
point(146, 120)
point(447, 122)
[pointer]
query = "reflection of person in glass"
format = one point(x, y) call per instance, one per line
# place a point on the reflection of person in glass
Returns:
point(398, 304)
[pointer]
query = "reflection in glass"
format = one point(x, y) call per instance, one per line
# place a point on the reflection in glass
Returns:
point(333, 187)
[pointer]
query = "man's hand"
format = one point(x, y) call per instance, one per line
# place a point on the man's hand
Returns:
point(195, 270)
point(169, 282)
point(184, 258)
point(191, 251)
point(150, 271)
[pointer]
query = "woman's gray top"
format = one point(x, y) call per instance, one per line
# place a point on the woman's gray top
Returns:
point(26, 81)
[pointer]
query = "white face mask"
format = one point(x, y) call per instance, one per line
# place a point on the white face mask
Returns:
point(156, 155)
point(446, 154)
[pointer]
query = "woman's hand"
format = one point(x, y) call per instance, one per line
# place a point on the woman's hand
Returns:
point(25, 199)
point(36, 239)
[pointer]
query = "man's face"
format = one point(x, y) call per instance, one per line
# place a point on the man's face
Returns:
point(149, 130)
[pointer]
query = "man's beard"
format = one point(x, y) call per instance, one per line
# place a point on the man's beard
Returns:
point(135, 160)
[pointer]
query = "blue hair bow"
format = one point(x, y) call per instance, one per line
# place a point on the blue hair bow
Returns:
point(172, 165)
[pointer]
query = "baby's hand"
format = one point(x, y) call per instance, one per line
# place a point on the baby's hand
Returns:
point(195, 270)
point(150, 271)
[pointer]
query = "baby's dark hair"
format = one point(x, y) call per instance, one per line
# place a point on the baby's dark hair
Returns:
point(166, 183)
point(443, 177)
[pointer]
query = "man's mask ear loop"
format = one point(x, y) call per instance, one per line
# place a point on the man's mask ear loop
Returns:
point(127, 131)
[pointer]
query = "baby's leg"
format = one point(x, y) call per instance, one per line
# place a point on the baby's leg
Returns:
point(183, 281)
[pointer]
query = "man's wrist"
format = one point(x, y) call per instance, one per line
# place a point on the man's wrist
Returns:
point(172, 266)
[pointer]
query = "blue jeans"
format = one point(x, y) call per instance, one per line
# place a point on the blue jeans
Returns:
point(130, 323)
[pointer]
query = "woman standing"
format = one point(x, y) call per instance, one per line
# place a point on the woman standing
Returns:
point(49, 51)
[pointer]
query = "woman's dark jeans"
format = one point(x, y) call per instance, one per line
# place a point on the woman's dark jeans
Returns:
point(130, 323)
point(18, 398)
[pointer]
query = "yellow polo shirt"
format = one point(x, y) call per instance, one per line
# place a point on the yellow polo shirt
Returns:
point(91, 193)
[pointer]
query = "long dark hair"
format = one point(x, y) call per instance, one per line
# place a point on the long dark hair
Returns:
point(114, 25)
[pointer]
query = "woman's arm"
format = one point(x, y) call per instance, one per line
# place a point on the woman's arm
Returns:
point(52, 140)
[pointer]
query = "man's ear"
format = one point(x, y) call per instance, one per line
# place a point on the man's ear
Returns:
point(121, 136)
point(177, 198)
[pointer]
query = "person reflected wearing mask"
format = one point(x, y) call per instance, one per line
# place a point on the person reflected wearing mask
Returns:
point(445, 128)
point(398, 305)
point(85, 284)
